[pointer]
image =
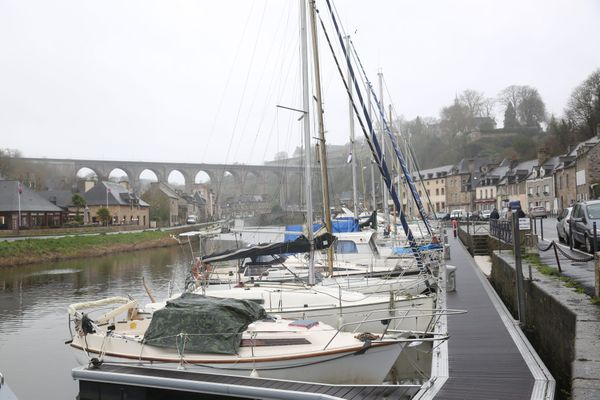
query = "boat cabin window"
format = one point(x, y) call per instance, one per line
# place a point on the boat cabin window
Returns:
point(256, 270)
point(345, 247)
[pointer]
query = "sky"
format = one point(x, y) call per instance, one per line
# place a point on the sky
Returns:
point(200, 81)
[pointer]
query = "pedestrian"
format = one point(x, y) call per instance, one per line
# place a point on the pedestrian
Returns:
point(455, 227)
point(494, 214)
point(520, 213)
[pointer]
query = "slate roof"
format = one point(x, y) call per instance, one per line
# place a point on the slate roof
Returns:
point(118, 195)
point(437, 172)
point(166, 189)
point(61, 198)
point(30, 201)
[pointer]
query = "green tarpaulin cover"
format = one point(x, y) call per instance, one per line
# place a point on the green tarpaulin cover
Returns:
point(210, 324)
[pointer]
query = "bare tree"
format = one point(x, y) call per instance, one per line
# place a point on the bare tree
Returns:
point(527, 103)
point(474, 101)
point(583, 108)
point(511, 94)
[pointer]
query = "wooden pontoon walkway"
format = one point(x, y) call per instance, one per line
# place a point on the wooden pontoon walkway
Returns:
point(488, 356)
point(112, 381)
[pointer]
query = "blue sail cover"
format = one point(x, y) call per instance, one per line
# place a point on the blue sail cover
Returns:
point(407, 250)
point(338, 225)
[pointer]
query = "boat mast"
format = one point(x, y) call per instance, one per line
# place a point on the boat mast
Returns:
point(352, 139)
point(386, 207)
point(307, 154)
point(322, 144)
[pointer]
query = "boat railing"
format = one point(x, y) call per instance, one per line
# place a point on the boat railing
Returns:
point(392, 315)
point(400, 335)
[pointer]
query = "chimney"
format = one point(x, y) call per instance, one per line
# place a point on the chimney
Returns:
point(542, 155)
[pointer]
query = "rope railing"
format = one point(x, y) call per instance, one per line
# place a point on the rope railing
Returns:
point(564, 253)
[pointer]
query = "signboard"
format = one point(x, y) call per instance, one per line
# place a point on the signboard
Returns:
point(524, 224)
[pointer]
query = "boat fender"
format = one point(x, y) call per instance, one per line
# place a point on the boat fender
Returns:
point(364, 348)
point(95, 363)
point(254, 374)
point(87, 325)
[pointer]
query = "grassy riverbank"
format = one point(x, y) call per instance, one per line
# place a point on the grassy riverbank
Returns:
point(42, 250)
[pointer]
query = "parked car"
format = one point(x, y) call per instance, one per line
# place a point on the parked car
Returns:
point(583, 216)
point(442, 216)
point(538, 212)
point(562, 226)
point(485, 214)
point(192, 219)
point(457, 214)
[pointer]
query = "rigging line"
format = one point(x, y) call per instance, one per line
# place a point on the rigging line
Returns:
point(246, 81)
point(411, 153)
point(373, 144)
point(279, 98)
point(237, 53)
point(242, 97)
point(261, 78)
point(405, 170)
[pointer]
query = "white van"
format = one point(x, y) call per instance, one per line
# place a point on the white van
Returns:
point(456, 214)
point(192, 219)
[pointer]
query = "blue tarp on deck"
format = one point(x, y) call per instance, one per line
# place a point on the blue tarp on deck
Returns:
point(408, 250)
point(338, 225)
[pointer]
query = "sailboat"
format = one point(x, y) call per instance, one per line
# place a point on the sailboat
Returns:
point(202, 334)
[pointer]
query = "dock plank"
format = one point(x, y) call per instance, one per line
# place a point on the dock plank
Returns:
point(484, 362)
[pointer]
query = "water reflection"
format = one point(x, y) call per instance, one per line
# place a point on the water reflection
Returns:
point(33, 302)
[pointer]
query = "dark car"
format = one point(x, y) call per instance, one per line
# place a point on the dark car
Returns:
point(562, 226)
point(583, 216)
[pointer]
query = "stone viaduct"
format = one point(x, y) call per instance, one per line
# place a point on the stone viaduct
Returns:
point(162, 170)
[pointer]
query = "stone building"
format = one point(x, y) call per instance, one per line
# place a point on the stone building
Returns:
point(432, 188)
point(587, 169)
point(540, 183)
point(564, 181)
point(513, 185)
point(165, 204)
point(125, 207)
point(463, 178)
point(34, 210)
point(486, 191)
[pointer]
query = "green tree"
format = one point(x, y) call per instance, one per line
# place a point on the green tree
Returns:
point(79, 202)
point(527, 103)
point(510, 117)
point(103, 215)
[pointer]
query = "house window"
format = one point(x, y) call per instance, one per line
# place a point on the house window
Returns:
point(530, 191)
point(546, 189)
point(437, 191)
point(442, 191)
point(486, 193)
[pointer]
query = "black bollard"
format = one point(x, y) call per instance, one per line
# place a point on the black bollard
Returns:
point(542, 227)
point(595, 239)
point(570, 234)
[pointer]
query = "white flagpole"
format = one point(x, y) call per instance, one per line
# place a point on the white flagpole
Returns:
point(19, 221)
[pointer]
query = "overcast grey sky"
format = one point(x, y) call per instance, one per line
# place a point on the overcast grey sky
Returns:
point(198, 81)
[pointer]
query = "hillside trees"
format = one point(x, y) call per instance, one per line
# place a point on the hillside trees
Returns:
point(526, 102)
point(583, 108)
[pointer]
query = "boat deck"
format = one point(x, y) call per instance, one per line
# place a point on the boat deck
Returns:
point(145, 383)
point(488, 356)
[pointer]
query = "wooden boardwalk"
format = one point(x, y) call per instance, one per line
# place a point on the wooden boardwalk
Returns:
point(484, 360)
point(138, 383)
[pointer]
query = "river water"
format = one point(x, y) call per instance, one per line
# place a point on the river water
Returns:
point(33, 319)
point(34, 299)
